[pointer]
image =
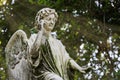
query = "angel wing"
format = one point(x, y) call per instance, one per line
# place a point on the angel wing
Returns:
point(16, 57)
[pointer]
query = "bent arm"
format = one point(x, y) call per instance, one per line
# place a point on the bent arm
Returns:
point(73, 64)
point(35, 47)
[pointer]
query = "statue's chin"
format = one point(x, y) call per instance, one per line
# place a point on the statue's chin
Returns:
point(49, 28)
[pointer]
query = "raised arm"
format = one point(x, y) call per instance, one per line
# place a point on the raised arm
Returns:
point(35, 47)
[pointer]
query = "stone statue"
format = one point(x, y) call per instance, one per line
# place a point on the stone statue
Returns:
point(41, 57)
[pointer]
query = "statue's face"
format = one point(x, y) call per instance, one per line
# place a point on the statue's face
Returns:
point(49, 22)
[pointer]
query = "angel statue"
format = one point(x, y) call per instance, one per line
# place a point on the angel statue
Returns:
point(42, 56)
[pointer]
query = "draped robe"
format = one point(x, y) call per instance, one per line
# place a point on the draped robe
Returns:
point(52, 61)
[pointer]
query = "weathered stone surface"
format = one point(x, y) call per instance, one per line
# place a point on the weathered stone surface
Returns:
point(42, 56)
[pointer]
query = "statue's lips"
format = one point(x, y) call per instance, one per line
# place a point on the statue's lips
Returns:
point(48, 28)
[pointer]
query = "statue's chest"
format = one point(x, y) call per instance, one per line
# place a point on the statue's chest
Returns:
point(55, 48)
point(51, 49)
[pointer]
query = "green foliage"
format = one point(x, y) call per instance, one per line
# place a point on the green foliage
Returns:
point(89, 27)
point(2, 67)
point(97, 9)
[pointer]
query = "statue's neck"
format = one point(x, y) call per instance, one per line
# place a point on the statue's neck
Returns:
point(47, 34)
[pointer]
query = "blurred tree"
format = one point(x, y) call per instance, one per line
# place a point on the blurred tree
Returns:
point(80, 21)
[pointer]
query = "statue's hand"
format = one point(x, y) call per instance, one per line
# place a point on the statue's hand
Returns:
point(82, 71)
point(76, 66)
point(41, 25)
point(85, 69)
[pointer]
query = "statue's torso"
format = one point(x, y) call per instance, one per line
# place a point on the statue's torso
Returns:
point(53, 58)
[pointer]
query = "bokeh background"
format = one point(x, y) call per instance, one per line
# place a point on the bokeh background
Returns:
point(89, 29)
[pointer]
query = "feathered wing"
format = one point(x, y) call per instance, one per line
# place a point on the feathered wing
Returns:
point(16, 57)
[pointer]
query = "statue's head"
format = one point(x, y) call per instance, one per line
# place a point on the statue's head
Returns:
point(46, 18)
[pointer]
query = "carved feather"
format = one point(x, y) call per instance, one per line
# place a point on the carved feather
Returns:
point(16, 56)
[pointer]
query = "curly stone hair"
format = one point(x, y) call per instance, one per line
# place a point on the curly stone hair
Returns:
point(43, 13)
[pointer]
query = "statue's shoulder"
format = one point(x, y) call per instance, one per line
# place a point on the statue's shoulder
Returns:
point(54, 39)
